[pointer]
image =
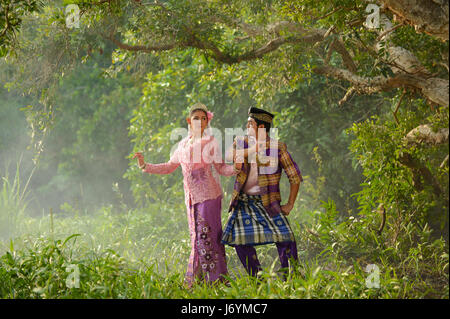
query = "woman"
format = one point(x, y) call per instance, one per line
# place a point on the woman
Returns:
point(199, 156)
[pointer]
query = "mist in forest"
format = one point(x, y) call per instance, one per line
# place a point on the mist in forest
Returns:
point(85, 157)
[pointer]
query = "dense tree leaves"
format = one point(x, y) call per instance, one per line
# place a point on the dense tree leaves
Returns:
point(11, 17)
point(317, 65)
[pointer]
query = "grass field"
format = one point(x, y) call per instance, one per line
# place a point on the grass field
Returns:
point(144, 253)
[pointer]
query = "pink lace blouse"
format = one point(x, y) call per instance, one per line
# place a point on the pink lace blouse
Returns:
point(200, 161)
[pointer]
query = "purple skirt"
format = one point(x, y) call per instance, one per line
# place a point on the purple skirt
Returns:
point(207, 260)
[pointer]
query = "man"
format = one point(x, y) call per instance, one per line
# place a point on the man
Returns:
point(256, 214)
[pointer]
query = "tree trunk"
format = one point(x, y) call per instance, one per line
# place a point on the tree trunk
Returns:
point(427, 16)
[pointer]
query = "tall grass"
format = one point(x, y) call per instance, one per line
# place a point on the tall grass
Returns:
point(143, 253)
point(13, 203)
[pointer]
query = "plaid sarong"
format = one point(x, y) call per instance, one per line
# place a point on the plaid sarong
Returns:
point(268, 175)
point(250, 224)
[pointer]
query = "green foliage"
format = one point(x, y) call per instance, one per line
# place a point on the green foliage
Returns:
point(314, 127)
point(167, 95)
point(131, 256)
point(11, 17)
point(42, 271)
point(407, 263)
point(407, 196)
point(219, 32)
point(304, 118)
point(13, 203)
point(86, 149)
point(94, 115)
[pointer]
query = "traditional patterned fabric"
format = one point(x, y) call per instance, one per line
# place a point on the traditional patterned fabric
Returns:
point(261, 117)
point(250, 224)
point(203, 195)
point(269, 175)
point(260, 114)
point(207, 260)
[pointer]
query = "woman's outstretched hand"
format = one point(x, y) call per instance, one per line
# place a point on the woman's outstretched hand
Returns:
point(140, 159)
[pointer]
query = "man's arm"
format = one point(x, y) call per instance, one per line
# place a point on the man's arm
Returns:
point(294, 176)
point(286, 209)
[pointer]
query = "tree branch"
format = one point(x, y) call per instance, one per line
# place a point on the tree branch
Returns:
point(142, 48)
point(427, 16)
point(386, 32)
point(217, 54)
point(409, 72)
point(425, 134)
point(419, 135)
point(6, 22)
point(330, 13)
point(338, 45)
point(435, 89)
point(347, 95)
